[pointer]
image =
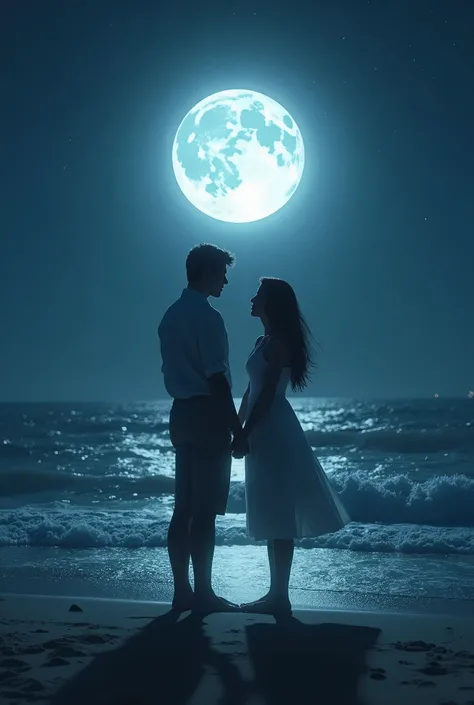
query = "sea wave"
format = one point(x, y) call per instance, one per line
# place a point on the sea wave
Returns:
point(442, 501)
point(57, 482)
point(420, 441)
point(137, 529)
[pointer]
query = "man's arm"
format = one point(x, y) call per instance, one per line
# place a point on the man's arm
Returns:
point(213, 347)
point(221, 391)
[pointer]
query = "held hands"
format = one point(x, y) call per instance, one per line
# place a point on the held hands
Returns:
point(239, 446)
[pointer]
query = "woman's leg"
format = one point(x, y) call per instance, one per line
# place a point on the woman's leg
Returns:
point(268, 595)
point(271, 562)
point(283, 550)
point(280, 558)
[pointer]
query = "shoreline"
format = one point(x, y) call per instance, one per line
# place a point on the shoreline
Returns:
point(119, 652)
point(314, 601)
point(321, 578)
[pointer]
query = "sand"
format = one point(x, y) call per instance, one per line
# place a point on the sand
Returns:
point(68, 651)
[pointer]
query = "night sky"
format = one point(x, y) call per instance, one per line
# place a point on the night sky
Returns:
point(378, 240)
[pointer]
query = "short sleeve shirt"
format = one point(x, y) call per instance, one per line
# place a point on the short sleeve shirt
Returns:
point(194, 345)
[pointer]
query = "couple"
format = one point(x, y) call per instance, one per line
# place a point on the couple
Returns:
point(287, 493)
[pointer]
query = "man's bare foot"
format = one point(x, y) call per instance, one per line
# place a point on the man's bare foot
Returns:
point(213, 603)
point(183, 601)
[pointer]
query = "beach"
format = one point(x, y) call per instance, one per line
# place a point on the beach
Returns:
point(62, 650)
point(379, 608)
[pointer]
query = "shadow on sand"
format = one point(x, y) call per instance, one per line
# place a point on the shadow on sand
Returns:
point(163, 663)
point(304, 664)
point(294, 664)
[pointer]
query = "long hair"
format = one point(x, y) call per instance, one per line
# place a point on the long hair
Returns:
point(286, 320)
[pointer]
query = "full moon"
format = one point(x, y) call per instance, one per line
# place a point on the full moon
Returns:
point(238, 156)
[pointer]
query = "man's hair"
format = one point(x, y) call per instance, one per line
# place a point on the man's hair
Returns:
point(206, 258)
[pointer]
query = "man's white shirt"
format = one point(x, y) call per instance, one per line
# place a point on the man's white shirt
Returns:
point(194, 345)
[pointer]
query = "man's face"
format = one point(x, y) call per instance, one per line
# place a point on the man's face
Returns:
point(217, 280)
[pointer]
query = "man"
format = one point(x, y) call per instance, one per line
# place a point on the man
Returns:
point(195, 354)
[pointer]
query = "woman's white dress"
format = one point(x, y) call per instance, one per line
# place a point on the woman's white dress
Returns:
point(288, 495)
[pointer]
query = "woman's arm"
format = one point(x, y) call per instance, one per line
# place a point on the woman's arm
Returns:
point(242, 413)
point(276, 357)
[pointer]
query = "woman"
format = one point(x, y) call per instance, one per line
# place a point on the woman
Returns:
point(287, 493)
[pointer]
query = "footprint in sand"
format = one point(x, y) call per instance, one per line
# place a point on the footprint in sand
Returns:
point(68, 651)
point(97, 638)
point(133, 617)
point(55, 661)
point(26, 650)
point(377, 674)
point(435, 669)
point(79, 624)
point(442, 650)
point(15, 663)
point(31, 685)
point(419, 683)
point(61, 648)
point(414, 646)
point(464, 654)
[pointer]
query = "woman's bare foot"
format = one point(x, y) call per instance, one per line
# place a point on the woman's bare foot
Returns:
point(270, 605)
point(265, 598)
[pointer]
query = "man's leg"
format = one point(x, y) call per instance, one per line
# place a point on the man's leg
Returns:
point(203, 541)
point(212, 477)
point(179, 546)
point(179, 551)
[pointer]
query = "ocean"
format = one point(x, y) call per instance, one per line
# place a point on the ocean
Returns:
point(86, 497)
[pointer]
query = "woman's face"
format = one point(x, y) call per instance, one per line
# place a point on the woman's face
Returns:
point(258, 304)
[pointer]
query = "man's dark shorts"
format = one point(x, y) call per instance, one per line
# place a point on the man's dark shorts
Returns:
point(203, 458)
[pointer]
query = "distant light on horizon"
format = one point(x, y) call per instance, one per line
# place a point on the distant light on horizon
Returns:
point(238, 156)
